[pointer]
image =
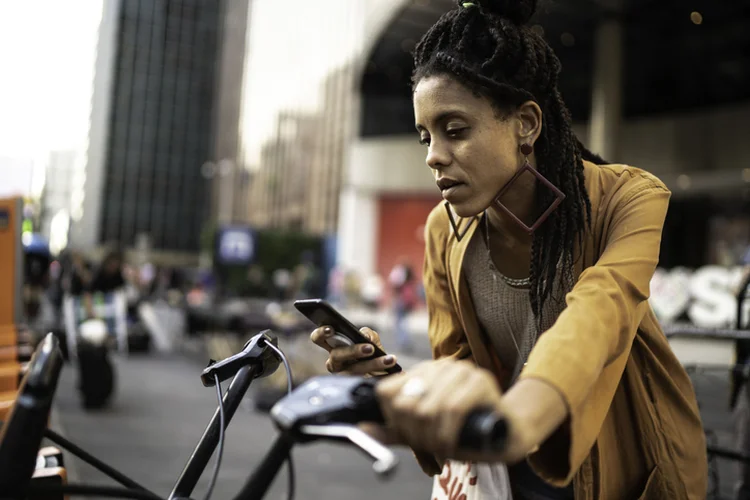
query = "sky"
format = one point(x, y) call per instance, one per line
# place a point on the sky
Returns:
point(47, 53)
point(48, 50)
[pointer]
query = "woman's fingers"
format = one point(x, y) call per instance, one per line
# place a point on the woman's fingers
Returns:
point(372, 336)
point(347, 358)
point(429, 405)
point(370, 367)
point(320, 335)
point(346, 364)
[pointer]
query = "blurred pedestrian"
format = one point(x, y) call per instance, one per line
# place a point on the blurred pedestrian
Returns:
point(79, 274)
point(405, 299)
point(107, 279)
point(336, 287)
point(306, 277)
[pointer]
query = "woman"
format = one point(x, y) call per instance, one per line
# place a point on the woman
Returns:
point(537, 274)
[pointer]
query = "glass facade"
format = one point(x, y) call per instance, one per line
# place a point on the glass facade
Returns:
point(161, 123)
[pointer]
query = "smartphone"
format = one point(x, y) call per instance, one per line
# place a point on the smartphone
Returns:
point(321, 313)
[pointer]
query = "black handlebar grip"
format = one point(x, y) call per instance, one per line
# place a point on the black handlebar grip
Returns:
point(484, 430)
point(368, 407)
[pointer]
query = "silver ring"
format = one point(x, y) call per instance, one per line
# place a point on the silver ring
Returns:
point(414, 388)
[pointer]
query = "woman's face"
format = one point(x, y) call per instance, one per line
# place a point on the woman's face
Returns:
point(472, 151)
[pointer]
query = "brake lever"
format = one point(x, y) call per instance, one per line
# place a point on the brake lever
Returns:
point(255, 352)
point(330, 407)
point(385, 461)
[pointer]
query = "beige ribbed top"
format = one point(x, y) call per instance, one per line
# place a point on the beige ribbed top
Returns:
point(504, 311)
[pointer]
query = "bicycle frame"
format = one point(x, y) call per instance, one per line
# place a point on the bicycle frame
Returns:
point(198, 461)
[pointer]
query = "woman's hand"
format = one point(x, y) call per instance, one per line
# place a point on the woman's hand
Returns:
point(348, 359)
point(428, 407)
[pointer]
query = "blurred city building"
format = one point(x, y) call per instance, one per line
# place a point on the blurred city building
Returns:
point(63, 181)
point(297, 183)
point(299, 112)
point(224, 170)
point(298, 115)
point(155, 119)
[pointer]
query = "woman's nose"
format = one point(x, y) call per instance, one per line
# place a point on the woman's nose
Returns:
point(437, 156)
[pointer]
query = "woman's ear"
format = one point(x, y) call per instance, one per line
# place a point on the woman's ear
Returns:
point(529, 116)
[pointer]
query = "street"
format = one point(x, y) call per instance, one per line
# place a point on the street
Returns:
point(161, 410)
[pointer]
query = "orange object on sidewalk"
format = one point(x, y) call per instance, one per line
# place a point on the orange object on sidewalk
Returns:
point(11, 263)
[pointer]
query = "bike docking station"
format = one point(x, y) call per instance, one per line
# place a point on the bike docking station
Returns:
point(45, 464)
point(739, 371)
point(11, 306)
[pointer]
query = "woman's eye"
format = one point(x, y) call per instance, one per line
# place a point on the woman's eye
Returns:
point(455, 132)
point(424, 141)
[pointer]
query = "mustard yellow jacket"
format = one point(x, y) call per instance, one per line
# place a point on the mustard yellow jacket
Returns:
point(634, 429)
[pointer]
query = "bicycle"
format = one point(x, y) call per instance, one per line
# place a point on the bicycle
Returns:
point(323, 408)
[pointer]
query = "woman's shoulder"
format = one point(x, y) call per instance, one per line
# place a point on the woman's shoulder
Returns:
point(607, 183)
point(437, 223)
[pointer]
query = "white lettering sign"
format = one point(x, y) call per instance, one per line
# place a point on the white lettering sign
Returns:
point(708, 296)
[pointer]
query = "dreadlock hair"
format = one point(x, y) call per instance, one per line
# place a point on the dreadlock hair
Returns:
point(486, 46)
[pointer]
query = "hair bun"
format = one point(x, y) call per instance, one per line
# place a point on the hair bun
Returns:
point(518, 12)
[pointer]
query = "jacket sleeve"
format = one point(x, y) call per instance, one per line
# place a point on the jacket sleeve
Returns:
point(584, 354)
point(446, 334)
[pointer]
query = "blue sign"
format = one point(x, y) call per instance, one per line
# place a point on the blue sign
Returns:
point(235, 245)
point(35, 243)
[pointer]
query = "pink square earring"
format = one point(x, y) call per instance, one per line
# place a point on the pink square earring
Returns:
point(526, 150)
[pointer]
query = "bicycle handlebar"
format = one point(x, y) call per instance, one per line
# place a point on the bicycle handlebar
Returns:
point(337, 399)
point(254, 361)
point(328, 407)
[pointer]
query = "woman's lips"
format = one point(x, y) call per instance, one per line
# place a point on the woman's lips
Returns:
point(452, 192)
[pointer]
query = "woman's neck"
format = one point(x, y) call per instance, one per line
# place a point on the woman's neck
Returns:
point(508, 244)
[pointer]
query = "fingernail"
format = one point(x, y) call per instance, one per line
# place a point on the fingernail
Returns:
point(389, 360)
point(368, 349)
point(327, 330)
